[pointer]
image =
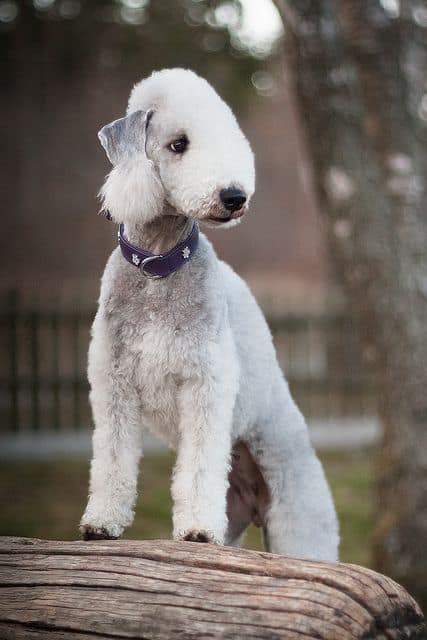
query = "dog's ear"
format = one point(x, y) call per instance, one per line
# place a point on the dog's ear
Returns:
point(126, 136)
point(131, 191)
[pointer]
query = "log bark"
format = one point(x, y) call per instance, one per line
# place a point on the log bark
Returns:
point(358, 71)
point(160, 590)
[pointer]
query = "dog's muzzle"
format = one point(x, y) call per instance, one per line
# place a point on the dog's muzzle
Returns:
point(233, 200)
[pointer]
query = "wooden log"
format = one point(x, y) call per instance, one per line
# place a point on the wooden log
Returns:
point(164, 590)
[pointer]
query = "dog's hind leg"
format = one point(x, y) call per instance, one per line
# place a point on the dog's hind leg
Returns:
point(301, 519)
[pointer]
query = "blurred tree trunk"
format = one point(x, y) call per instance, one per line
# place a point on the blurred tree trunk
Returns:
point(359, 72)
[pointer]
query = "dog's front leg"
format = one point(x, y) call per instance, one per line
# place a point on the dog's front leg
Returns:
point(200, 479)
point(117, 448)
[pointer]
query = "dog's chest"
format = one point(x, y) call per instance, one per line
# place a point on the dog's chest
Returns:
point(159, 344)
point(161, 332)
point(160, 360)
point(154, 345)
point(159, 350)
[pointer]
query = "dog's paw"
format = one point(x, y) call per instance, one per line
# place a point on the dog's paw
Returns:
point(196, 535)
point(90, 532)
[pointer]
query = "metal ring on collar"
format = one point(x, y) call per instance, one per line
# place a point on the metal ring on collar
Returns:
point(144, 272)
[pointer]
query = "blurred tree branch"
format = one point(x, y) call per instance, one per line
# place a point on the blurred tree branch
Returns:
point(358, 68)
point(289, 16)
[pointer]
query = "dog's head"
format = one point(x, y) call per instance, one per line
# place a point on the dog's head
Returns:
point(180, 145)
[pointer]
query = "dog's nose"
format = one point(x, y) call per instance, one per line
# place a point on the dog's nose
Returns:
point(233, 199)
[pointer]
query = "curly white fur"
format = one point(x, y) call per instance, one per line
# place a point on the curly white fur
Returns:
point(190, 357)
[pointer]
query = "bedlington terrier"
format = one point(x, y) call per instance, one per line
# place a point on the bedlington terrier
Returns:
point(179, 345)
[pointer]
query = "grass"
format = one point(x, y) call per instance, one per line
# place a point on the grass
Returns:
point(45, 499)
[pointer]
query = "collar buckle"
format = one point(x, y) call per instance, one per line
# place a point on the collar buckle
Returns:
point(145, 273)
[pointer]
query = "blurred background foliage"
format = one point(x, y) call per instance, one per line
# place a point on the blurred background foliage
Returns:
point(66, 38)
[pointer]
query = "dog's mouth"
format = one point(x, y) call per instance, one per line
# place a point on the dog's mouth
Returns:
point(235, 215)
point(219, 219)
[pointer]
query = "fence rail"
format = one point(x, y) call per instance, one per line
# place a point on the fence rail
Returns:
point(43, 369)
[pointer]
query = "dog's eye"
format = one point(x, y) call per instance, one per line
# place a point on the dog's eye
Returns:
point(179, 145)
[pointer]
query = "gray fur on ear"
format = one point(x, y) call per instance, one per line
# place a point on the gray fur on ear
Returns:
point(126, 136)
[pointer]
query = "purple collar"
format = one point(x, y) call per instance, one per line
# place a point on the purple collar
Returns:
point(160, 266)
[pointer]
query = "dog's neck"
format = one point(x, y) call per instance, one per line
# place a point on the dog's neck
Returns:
point(161, 234)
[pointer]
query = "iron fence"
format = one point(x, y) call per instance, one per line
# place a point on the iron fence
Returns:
point(43, 368)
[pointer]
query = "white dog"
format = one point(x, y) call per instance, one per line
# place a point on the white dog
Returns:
point(179, 345)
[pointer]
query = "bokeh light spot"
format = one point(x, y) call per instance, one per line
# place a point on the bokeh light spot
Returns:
point(8, 11)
